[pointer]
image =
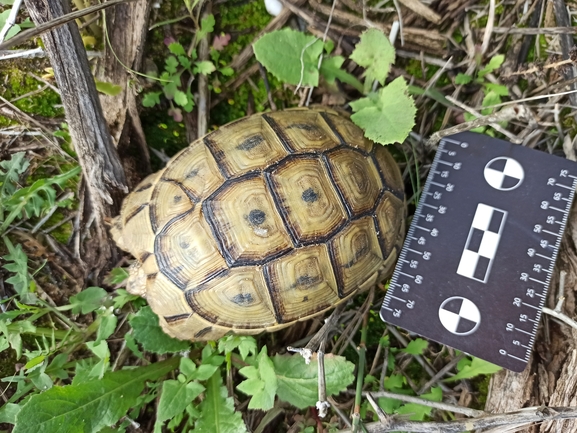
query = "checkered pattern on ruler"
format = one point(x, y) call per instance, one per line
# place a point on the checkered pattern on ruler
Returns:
point(482, 242)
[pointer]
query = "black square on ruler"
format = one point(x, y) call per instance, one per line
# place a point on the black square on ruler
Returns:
point(482, 267)
point(475, 240)
point(496, 220)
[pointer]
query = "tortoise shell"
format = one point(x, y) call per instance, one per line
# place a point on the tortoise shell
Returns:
point(271, 219)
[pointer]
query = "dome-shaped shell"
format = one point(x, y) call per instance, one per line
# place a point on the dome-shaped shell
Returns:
point(271, 219)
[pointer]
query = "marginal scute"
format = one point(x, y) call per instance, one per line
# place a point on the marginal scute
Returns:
point(241, 292)
point(174, 202)
point(390, 216)
point(357, 254)
point(306, 196)
point(186, 252)
point(304, 130)
point(246, 222)
point(240, 149)
point(357, 178)
point(302, 283)
point(389, 169)
point(196, 169)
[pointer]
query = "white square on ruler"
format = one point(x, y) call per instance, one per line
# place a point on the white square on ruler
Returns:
point(468, 264)
point(482, 217)
point(489, 244)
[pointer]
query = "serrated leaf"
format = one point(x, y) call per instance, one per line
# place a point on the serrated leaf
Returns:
point(180, 98)
point(123, 297)
point(148, 332)
point(416, 347)
point(17, 263)
point(131, 344)
point(394, 382)
point(150, 99)
point(90, 406)
point(280, 52)
point(175, 397)
point(217, 414)
point(205, 67)
point(499, 89)
point(388, 116)
point(176, 49)
point(375, 53)
point(206, 26)
point(331, 70)
point(262, 382)
point(116, 276)
point(10, 171)
point(297, 381)
point(170, 64)
point(108, 88)
point(87, 301)
point(475, 368)
point(184, 61)
point(244, 344)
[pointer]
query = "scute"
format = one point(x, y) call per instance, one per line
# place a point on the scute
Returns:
point(269, 220)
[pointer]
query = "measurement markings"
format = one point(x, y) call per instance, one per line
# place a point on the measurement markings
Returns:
point(445, 162)
point(545, 257)
point(551, 233)
point(422, 228)
point(564, 186)
point(438, 184)
point(532, 306)
point(523, 331)
point(431, 206)
point(557, 209)
point(399, 299)
point(538, 281)
point(415, 251)
point(513, 356)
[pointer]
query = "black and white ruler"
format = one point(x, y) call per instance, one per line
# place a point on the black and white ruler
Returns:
point(479, 255)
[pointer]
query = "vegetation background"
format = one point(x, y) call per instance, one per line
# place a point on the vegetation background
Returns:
point(80, 354)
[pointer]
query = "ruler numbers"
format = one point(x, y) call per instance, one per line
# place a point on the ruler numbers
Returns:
point(554, 214)
point(423, 231)
point(480, 252)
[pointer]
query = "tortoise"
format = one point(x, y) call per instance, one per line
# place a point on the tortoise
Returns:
point(271, 219)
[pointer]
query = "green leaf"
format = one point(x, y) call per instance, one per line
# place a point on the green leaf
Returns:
point(180, 98)
point(10, 171)
point(494, 63)
point(375, 53)
point(36, 198)
point(498, 89)
point(176, 49)
point(8, 413)
point(387, 116)
point(148, 332)
point(17, 263)
point(419, 412)
point(217, 414)
point(108, 323)
point(261, 383)
point(150, 99)
point(416, 347)
point(184, 61)
point(297, 381)
point(475, 368)
point(394, 382)
point(490, 99)
point(116, 276)
point(14, 30)
point(331, 70)
point(90, 406)
point(171, 64)
point(280, 52)
point(175, 397)
point(87, 301)
point(463, 78)
point(108, 88)
point(205, 67)
point(227, 71)
point(245, 345)
point(123, 297)
point(102, 351)
point(206, 27)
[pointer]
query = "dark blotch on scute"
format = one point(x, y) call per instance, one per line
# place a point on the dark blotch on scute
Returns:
point(177, 198)
point(192, 173)
point(306, 280)
point(243, 299)
point(203, 331)
point(256, 217)
point(309, 195)
point(250, 143)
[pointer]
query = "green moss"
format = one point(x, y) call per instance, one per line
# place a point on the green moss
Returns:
point(46, 103)
point(163, 133)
